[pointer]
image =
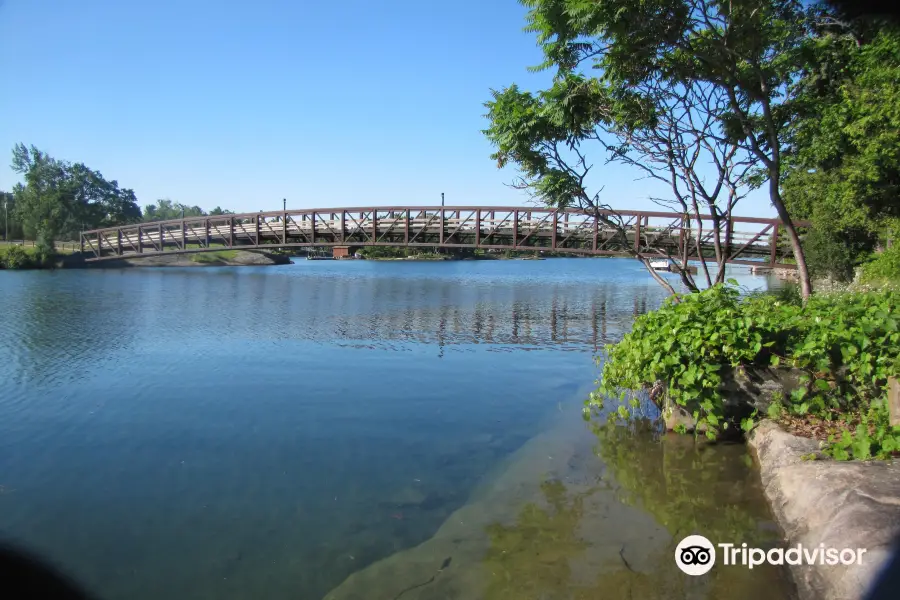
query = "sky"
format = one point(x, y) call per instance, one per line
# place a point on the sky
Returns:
point(241, 104)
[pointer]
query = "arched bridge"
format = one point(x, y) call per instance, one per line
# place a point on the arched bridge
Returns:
point(747, 240)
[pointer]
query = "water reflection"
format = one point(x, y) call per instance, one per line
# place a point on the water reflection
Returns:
point(98, 319)
point(586, 512)
point(687, 487)
point(531, 558)
point(269, 432)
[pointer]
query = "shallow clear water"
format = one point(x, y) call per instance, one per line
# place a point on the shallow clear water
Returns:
point(267, 432)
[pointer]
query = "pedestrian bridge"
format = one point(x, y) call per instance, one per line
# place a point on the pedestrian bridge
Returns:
point(745, 240)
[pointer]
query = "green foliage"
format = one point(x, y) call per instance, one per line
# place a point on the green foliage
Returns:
point(843, 173)
point(166, 210)
point(220, 211)
point(386, 252)
point(533, 130)
point(214, 257)
point(15, 257)
point(58, 198)
point(884, 267)
point(845, 345)
point(8, 206)
point(836, 254)
point(657, 84)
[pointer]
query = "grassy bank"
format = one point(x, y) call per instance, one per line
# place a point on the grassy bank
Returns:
point(212, 257)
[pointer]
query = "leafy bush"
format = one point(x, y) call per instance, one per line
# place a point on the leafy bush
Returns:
point(44, 253)
point(885, 266)
point(836, 254)
point(845, 345)
point(15, 257)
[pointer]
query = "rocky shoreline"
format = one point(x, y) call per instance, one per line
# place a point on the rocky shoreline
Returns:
point(817, 501)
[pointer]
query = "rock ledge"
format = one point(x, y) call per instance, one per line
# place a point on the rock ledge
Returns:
point(837, 504)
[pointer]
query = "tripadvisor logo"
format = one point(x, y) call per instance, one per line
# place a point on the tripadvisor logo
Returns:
point(696, 555)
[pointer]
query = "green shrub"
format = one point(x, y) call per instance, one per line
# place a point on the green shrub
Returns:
point(884, 266)
point(44, 249)
point(15, 257)
point(846, 345)
point(836, 254)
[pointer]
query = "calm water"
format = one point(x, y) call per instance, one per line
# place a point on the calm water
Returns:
point(343, 429)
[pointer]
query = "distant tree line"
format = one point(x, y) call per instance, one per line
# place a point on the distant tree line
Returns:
point(57, 199)
point(165, 210)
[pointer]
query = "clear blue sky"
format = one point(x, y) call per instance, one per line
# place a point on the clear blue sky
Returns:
point(241, 104)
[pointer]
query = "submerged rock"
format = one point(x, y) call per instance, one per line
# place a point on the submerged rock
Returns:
point(746, 389)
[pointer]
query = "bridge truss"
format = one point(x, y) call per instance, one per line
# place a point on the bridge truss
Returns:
point(746, 240)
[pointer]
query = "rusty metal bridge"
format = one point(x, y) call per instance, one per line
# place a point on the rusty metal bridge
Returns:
point(746, 240)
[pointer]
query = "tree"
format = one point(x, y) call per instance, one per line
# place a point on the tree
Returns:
point(665, 131)
point(748, 50)
point(12, 229)
point(58, 198)
point(542, 134)
point(843, 171)
point(679, 142)
point(165, 210)
point(220, 211)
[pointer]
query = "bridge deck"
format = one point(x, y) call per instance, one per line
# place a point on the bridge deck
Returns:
point(652, 234)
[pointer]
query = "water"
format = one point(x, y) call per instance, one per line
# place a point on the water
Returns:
point(344, 429)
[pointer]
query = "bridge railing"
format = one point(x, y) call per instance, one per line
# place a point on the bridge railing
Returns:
point(746, 239)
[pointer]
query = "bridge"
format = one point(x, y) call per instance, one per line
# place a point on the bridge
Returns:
point(747, 240)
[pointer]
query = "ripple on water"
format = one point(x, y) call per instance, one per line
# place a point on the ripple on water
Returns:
point(253, 432)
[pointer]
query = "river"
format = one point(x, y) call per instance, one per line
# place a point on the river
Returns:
point(351, 429)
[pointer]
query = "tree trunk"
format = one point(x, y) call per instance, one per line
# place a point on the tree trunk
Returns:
point(665, 284)
point(796, 247)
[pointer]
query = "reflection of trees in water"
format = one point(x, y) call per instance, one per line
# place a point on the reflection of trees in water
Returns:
point(533, 557)
point(691, 487)
point(687, 488)
point(543, 318)
point(530, 559)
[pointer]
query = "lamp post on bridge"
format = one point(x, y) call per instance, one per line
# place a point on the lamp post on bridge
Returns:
point(284, 204)
point(442, 199)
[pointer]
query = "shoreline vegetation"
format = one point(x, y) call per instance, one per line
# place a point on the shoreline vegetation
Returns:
point(824, 366)
point(22, 256)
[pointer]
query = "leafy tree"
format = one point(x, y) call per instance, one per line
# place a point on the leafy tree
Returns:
point(58, 198)
point(12, 227)
point(536, 133)
point(844, 172)
point(220, 211)
point(748, 50)
point(165, 210)
point(45, 202)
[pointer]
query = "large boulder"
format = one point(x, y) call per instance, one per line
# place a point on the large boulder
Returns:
point(745, 389)
point(836, 504)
